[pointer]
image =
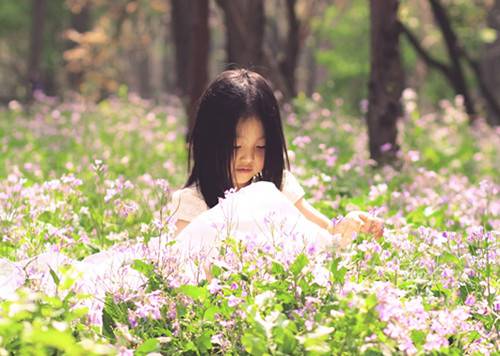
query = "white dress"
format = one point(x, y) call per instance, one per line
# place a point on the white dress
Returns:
point(188, 203)
point(258, 215)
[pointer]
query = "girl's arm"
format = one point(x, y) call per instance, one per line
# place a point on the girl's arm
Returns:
point(356, 221)
point(313, 215)
point(180, 225)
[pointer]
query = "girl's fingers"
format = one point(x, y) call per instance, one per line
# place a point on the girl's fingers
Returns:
point(375, 228)
point(361, 222)
point(379, 231)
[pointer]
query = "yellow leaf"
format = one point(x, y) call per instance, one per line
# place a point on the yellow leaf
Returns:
point(488, 35)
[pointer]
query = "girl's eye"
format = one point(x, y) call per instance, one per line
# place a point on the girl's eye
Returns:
point(261, 147)
point(236, 147)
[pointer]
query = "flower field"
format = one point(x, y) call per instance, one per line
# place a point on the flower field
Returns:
point(86, 244)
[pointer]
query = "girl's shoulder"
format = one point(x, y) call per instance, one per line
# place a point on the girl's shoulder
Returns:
point(187, 203)
point(191, 191)
point(291, 187)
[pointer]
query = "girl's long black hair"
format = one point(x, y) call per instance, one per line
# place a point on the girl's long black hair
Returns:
point(234, 95)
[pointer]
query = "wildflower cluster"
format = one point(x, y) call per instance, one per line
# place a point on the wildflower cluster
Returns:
point(89, 262)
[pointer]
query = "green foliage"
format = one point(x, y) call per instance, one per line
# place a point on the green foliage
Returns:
point(13, 16)
point(69, 178)
point(343, 48)
point(345, 29)
point(35, 324)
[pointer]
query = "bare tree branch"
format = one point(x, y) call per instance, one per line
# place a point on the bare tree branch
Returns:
point(424, 54)
point(452, 46)
point(487, 94)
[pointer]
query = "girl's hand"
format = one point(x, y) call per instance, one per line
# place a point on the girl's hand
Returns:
point(368, 223)
point(356, 222)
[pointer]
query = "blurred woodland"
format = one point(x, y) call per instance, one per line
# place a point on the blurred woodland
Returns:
point(357, 54)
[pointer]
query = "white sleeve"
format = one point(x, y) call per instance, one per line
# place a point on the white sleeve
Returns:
point(186, 205)
point(291, 187)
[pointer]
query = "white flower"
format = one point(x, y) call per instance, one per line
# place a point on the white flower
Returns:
point(321, 275)
point(261, 299)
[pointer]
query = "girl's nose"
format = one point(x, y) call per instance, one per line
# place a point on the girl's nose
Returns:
point(248, 156)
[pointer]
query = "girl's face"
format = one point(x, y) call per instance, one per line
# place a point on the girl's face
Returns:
point(249, 152)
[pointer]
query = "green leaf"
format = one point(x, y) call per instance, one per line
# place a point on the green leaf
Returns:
point(203, 342)
point(195, 292)
point(216, 271)
point(54, 276)
point(473, 336)
point(286, 297)
point(338, 273)
point(298, 265)
point(143, 267)
point(416, 216)
point(284, 336)
point(447, 257)
point(150, 345)
point(67, 283)
point(371, 301)
point(440, 291)
point(253, 344)
point(190, 346)
point(107, 325)
point(209, 314)
point(277, 269)
point(418, 337)
point(56, 339)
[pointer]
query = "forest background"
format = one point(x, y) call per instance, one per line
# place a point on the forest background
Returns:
point(160, 49)
point(96, 102)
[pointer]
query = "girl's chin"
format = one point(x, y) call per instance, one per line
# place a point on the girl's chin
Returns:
point(243, 183)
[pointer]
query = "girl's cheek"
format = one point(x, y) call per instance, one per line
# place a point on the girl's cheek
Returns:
point(262, 158)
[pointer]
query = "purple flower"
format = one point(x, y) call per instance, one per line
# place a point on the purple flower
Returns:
point(301, 141)
point(132, 318)
point(496, 304)
point(470, 300)
point(214, 286)
point(434, 342)
point(125, 352)
point(311, 249)
point(233, 301)
point(386, 147)
point(172, 311)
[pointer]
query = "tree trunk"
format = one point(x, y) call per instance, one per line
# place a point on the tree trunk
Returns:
point(311, 65)
point(144, 72)
point(181, 23)
point(168, 76)
point(38, 9)
point(198, 65)
point(289, 62)
point(192, 42)
point(386, 81)
point(80, 22)
point(245, 23)
point(456, 73)
point(490, 64)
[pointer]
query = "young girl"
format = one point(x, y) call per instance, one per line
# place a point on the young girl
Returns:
point(238, 139)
